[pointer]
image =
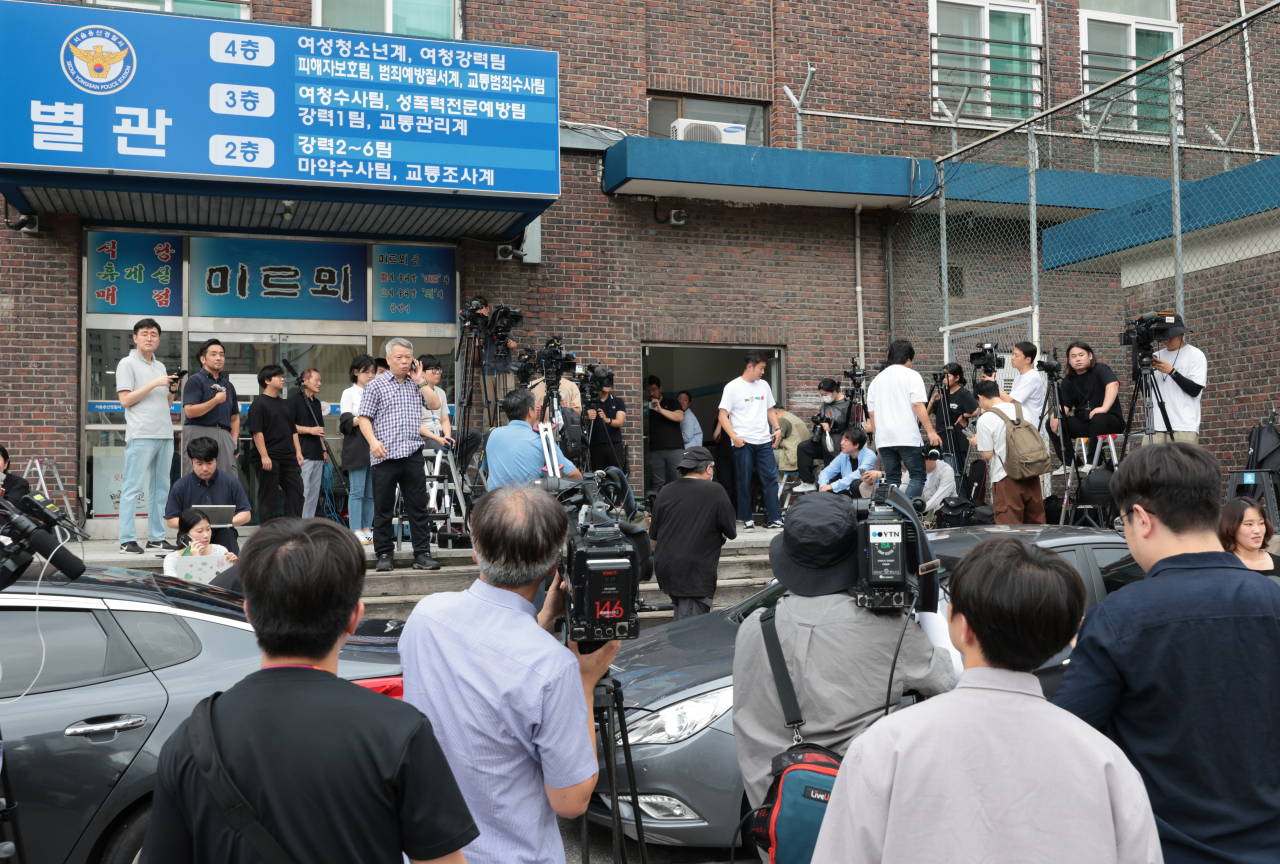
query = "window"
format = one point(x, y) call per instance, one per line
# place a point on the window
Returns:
point(985, 59)
point(233, 9)
point(75, 650)
point(434, 19)
point(665, 110)
point(160, 638)
point(1118, 36)
point(1117, 567)
point(955, 280)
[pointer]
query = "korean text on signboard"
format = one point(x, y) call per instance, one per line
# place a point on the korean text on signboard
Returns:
point(134, 274)
point(171, 95)
point(414, 283)
point(244, 278)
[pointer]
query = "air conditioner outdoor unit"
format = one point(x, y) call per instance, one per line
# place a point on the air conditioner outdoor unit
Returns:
point(704, 130)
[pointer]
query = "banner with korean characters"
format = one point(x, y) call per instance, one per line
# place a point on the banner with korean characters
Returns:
point(233, 277)
point(134, 274)
point(172, 95)
point(414, 283)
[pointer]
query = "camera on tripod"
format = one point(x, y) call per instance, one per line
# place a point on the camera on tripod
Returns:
point(987, 358)
point(502, 320)
point(594, 378)
point(892, 547)
point(1052, 368)
point(471, 316)
point(556, 362)
point(1143, 333)
point(857, 375)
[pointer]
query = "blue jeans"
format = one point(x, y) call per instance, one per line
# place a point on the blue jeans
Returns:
point(360, 499)
point(140, 456)
point(759, 458)
point(895, 459)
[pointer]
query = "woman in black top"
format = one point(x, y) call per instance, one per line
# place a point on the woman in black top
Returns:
point(961, 406)
point(1245, 530)
point(1090, 401)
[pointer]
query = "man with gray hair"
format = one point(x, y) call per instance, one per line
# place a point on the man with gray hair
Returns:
point(390, 417)
point(510, 705)
point(514, 453)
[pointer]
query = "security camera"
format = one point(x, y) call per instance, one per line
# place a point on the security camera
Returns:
point(27, 224)
point(510, 253)
point(679, 217)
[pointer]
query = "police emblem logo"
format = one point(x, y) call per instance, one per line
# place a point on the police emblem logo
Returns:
point(98, 60)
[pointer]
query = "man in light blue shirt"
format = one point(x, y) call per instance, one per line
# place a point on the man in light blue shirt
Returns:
point(847, 468)
point(514, 454)
point(508, 703)
point(690, 428)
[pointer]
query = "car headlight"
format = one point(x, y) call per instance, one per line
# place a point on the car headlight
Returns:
point(680, 720)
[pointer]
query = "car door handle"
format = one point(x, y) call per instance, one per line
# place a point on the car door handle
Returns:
point(119, 723)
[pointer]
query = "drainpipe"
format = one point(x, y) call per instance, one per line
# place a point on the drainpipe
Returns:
point(857, 259)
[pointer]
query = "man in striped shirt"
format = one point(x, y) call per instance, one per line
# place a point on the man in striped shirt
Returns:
point(390, 417)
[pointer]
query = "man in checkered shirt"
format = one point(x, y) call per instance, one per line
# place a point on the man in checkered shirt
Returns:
point(390, 417)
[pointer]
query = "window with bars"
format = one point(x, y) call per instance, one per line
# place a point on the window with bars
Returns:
point(985, 59)
point(1116, 37)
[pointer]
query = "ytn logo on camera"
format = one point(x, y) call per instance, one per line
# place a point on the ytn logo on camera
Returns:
point(98, 60)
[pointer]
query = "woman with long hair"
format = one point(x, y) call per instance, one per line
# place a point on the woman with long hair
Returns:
point(355, 451)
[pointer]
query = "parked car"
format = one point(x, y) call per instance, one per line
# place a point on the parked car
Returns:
point(118, 659)
point(678, 682)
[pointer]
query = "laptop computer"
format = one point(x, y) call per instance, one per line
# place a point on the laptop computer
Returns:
point(220, 515)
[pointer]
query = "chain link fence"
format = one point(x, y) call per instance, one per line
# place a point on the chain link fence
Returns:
point(1154, 190)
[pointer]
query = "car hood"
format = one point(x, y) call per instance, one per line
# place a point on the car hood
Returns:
point(672, 659)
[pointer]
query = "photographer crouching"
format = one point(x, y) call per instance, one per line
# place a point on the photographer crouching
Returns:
point(828, 425)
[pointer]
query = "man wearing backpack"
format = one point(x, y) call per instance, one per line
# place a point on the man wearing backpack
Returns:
point(1015, 453)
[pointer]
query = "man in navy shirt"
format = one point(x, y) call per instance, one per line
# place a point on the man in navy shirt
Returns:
point(1182, 669)
point(210, 408)
point(207, 484)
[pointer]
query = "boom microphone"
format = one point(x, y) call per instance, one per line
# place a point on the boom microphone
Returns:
point(48, 546)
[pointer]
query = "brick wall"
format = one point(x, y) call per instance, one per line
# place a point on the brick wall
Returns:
point(39, 334)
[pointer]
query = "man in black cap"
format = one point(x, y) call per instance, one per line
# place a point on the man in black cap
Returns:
point(838, 654)
point(1181, 373)
point(691, 520)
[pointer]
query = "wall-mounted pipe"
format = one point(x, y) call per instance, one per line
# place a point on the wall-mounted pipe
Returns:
point(857, 264)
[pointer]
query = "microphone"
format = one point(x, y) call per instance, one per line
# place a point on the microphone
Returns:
point(47, 545)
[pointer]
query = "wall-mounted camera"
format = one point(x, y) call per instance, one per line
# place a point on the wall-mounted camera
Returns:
point(678, 217)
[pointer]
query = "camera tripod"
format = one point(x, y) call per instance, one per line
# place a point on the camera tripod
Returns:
point(1053, 408)
point(856, 392)
point(1144, 379)
point(948, 430)
point(611, 724)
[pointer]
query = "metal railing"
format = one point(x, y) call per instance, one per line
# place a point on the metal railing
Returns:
point(1141, 106)
point(992, 79)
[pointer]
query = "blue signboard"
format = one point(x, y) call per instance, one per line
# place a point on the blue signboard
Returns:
point(242, 278)
point(170, 95)
point(134, 274)
point(414, 283)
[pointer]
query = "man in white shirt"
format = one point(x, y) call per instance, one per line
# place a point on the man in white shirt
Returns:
point(896, 402)
point(1181, 373)
point(991, 771)
point(749, 418)
point(1028, 387)
point(1015, 502)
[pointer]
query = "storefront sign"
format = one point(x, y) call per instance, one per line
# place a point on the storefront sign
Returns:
point(241, 278)
point(172, 95)
point(414, 283)
point(134, 274)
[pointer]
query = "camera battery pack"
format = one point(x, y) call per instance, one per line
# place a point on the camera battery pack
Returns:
point(882, 565)
point(602, 590)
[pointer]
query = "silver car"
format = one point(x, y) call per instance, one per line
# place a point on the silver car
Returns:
point(678, 681)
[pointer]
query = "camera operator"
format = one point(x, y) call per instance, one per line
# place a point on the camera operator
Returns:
point(495, 367)
point(895, 401)
point(1021, 780)
point(1181, 373)
point(211, 408)
point(436, 427)
point(940, 481)
point(830, 421)
point(606, 430)
point(511, 705)
point(837, 653)
point(513, 455)
point(1181, 668)
point(666, 438)
point(1028, 388)
point(1090, 402)
point(962, 407)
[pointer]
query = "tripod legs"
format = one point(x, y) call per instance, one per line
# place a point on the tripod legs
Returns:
point(611, 723)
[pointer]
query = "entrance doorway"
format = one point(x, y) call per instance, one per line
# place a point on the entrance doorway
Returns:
point(703, 370)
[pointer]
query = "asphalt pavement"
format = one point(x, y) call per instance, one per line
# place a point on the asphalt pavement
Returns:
point(600, 848)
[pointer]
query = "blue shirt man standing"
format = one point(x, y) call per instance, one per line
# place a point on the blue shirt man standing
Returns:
point(514, 454)
point(1182, 669)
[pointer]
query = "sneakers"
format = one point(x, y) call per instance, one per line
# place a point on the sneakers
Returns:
point(1059, 471)
point(425, 562)
point(774, 525)
point(162, 544)
point(131, 547)
point(805, 487)
point(384, 564)
point(364, 536)
point(749, 525)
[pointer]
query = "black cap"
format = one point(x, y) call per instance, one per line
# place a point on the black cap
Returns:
point(816, 553)
point(1166, 329)
point(695, 456)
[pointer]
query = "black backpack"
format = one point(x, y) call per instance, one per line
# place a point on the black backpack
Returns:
point(572, 443)
point(955, 512)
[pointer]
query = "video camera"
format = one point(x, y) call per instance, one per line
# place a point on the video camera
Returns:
point(471, 317)
point(856, 374)
point(986, 358)
point(1142, 333)
point(594, 378)
point(604, 561)
point(30, 528)
point(502, 320)
point(897, 570)
point(1052, 368)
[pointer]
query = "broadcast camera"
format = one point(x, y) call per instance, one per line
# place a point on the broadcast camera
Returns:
point(471, 316)
point(593, 379)
point(605, 559)
point(30, 528)
point(556, 362)
point(1052, 368)
point(897, 570)
point(502, 320)
point(1143, 333)
point(856, 375)
point(986, 358)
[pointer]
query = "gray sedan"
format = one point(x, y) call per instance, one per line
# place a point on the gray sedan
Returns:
point(678, 679)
